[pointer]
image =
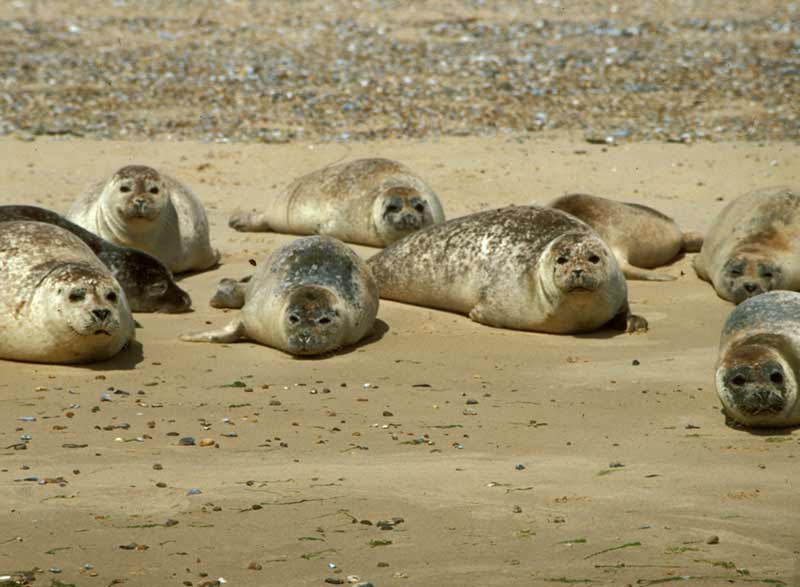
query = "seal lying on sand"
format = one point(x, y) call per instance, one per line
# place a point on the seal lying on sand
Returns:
point(640, 237)
point(524, 267)
point(58, 302)
point(759, 358)
point(309, 297)
point(753, 245)
point(139, 207)
point(148, 285)
point(367, 201)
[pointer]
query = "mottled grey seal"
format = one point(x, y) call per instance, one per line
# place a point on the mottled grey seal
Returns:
point(753, 245)
point(148, 285)
point(524, 267)
point(759, 357)
point(58, 302)
point(141, 208)
point(366, 201)
point(640, 237)
point(309, 297)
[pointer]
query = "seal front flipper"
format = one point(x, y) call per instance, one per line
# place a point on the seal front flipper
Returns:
point(249, 222)
point(232, 332)
point(630, 323)
point(229, 294)
point(631, 272)
point(692, 241)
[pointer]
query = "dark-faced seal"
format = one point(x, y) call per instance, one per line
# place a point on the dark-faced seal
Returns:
point(58, 302)
point(759, 358)
point(368, 201)
point(141, 208)
point(523, 267)
point(148, 285)
point(309, 297)
point(753, 245)
point(640, 237)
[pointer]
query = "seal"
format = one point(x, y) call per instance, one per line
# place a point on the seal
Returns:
point(523, 267)
point(148, 285)
point(759, 357)
point(141, 208)
point(753, 245)
point(367, 201)
point(58, 302)
point(640, 237)
point(309, 297)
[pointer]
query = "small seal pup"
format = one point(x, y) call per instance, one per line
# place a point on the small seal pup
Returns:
point(148, 285)
point(521, 267)
point(368, 201)
point(640, 237)
point(759, 358)
point(753, 245)
point(58, 302)
point(309, 297)
point(141, 208)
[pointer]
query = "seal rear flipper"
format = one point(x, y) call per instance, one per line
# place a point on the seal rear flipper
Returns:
point(232, 332)
point(229, 294)
point(631, 272)
point(692, 241)
point(630, 323)
point(249, 222)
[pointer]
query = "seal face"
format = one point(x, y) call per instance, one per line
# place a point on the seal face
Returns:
point(756, 375)
point(366, 201)
point(640, 237)
point(524, 267)
point(141, 208)
point(753, 245)
point(58, 302)
point(148, 284)
point(309, 297)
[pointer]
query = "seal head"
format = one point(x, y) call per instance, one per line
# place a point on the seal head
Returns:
point(744, 276)
point(756, 383)
point(578, 262)
point(148, 284)
point(137, 193)
point(312, 322)
point(400, 210)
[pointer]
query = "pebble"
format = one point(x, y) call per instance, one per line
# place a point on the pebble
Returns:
point(520, 467)
point(194, 491)
point(334, 581)
point(186, 441)
point(713, 539)
point(207, 442)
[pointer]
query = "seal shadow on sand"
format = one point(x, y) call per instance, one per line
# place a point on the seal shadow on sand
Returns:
point(766, 432)
point(379, 330)
point(125, 360)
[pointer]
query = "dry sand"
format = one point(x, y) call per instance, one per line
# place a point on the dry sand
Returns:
point(629, 468)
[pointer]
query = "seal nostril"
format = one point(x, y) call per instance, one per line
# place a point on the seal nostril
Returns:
point(101, 314)
point(738, 380)
point(561, 260)
point(294, 319)
point(750, 287)
point(776, 378)
point(325, 320)
point(577, 272)
point(594, 259)
point(419, 208)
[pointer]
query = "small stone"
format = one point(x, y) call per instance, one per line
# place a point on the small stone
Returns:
point(517, 510)
point(387, 414)
point(158, 467)
point(635, 363)
point(55, 570)
point(334, 581)
point(186, 441)
point(170, 522)
point(382, 565)
point(713, 539)
point(194, 491)
point(472, 402)
point(615, 465)
point(520, 467)
point(207, 442)
point(254, 566)
point(161, 485)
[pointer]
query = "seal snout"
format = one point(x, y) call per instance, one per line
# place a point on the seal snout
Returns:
point(754, 382)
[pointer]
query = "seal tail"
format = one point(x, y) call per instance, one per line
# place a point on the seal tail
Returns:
point(631, 272)
point(250, 222)
point(692, 241)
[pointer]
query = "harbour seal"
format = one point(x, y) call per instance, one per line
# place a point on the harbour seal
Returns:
point(141, 208)
point(309, 297)
point(753, 245)
point(523, 267)
point(368, 201)
point(759, 358)
point(58, 302)
point(148, 285)
point(640, 237)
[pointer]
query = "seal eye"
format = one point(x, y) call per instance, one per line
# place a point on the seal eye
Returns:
point(738, 380)
point(419, 208)
point(736, 272)
point(594, 259)
point(768, 274)
point(153, 190)
point(776, 378)
point(392, 208)
point(124, 189)
point(77, 295)
point(561, 260)
point(294, 319)
point(111, 296)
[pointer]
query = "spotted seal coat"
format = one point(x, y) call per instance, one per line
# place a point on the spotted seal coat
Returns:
point(58, 302)
point(309, 297)
point(640, 237)
point(759, 358)
point(367, 201)
point(753, 245)
point(141, 208)
point(523, 267)
point(148, 285)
